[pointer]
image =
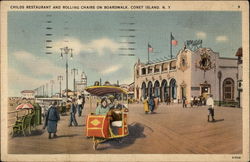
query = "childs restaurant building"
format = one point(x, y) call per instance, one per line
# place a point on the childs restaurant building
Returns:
point(190, 73)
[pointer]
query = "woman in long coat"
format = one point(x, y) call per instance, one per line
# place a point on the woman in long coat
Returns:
point(51, 120)
point(145, 105)
point(73, 114)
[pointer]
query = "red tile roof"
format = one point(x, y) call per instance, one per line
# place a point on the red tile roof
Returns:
point(27, 91)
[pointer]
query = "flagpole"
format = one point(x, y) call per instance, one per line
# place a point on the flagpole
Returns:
point(148, 53)
point(171, 45)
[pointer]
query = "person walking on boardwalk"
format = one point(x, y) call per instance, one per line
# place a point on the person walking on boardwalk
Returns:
point(73, 113)
point(156, 103)
point(51, 119)
point(184, 102)
point(210, 103)
point(79, 105)
point(145, 105)
point(151, 104)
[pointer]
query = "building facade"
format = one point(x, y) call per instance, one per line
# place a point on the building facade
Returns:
point(191, 73)
point(28, 94)
point(82, 84)
point(240, 77)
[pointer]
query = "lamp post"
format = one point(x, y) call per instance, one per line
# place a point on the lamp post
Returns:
point(74, 72)
point(66, 51)
point(60, 78)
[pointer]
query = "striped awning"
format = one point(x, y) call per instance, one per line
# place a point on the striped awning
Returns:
point(103, 90)
point(25, 106)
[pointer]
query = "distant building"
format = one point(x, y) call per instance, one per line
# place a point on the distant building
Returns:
point(129, 88)
point(240, 72)
point(191, 73)
point(82, 84)
point(28, 94)
point(107, 83)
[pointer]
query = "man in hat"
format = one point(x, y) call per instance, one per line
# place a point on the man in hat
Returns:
point(51, 119)
point(73, 114)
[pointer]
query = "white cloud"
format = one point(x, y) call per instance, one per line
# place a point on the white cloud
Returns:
point(18, 82)
point(95, 46)
point(111, 69)
point(37, 66)
point(201, 35)
point(222, 38)
point(73, 43)
point(101, 44)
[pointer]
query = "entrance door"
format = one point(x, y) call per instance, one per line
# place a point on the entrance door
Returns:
point(164, 91)
point(150, 89)
point(143, 90)
point(173, 88)
point(205, 89)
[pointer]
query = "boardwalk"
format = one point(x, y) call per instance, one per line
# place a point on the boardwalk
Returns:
point(173, 130)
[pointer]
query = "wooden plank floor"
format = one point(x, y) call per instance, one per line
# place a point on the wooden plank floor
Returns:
point(172, 130)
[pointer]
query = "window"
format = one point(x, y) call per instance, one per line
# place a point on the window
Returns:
point(157, 68)
point(228, 89)
point(143, 71)
point(173, 65)
point(164, 67)
point(150, 70)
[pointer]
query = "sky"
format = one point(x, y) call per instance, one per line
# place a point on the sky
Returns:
point(96, 39)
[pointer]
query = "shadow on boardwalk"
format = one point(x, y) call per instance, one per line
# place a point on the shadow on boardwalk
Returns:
point(136, 130)
point(36, 132)
point(217, 120)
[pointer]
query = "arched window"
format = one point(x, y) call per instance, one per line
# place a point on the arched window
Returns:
point(150, 69)
point(164, 91)
point(143, 90)
point(157, 68)
point(164, 67)
point(150, 89)
point(172, 65)
point(157, 89)
point(173, 88)
point(228, 89)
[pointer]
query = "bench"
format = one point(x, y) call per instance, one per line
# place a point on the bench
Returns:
point(21, 125)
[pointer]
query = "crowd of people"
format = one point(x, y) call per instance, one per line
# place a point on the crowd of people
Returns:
point(194, 101)
point(150, 104)
point(52, 116)
point(75, 106)
point(108, 104)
